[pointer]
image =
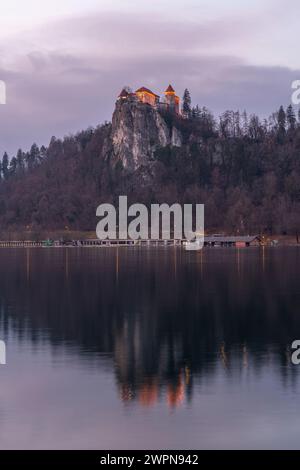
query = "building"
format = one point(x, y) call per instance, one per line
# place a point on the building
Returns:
point(171, 99)
point(236, 241)
point(144, 95)
point(123, 95)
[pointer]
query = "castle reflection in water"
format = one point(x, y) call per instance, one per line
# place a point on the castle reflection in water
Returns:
point(164, 319)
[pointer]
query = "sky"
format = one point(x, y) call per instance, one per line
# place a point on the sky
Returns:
point(64, 62)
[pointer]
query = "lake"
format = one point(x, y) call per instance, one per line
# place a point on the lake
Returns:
point(149, 348)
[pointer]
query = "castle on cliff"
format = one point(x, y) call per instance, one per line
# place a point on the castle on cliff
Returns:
point(144, 95)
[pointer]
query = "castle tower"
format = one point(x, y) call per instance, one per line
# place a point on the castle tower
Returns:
point(171, 99)
point(123, 95)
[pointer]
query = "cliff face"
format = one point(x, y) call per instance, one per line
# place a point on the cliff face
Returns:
point(138, 130)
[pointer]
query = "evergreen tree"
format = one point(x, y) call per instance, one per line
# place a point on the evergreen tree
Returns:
point(20, 161)
point(4, 166)
point(33, 157)
point(290, 117)
point(43, 153)
point(12, 166)
point(186, 104)
point(281, 120)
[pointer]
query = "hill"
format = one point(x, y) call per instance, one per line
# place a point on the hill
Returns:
point(246, 172)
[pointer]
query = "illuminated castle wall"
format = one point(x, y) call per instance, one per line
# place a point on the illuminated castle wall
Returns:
point(144, 95)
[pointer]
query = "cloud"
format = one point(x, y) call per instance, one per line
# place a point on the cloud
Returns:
point(65, 76)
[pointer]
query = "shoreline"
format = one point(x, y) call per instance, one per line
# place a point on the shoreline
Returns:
point(84, 238)
point(91, 243)
point(76, 235)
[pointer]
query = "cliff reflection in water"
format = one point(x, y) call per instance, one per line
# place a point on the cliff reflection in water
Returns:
point(165, 319)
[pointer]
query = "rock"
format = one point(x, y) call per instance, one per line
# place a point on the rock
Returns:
point(176, 140)
point(138, 129)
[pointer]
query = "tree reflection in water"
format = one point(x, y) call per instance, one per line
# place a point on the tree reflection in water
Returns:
point(166, 319)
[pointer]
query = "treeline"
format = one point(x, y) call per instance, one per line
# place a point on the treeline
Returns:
point(55, 187)
point(245, 170)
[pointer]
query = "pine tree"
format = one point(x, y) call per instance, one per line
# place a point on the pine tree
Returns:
point(290, 117)
point(281, 120)
point(43, 153)
point(20, 161)
point(4, 166)
point(12, 166)
point(186, 104)
point(33, 157)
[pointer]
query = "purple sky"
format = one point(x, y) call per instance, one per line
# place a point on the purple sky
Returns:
point(65, 61)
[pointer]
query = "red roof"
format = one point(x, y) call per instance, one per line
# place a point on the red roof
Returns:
point(170, 89)
point(146, 90)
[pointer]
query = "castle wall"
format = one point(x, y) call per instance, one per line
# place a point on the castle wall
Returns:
point(145, 97)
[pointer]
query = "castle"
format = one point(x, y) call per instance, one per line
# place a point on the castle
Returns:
point(144, 95)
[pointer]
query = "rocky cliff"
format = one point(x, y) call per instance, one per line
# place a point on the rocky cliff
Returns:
point(139, 129)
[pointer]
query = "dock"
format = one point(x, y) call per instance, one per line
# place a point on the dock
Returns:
point(209, 242)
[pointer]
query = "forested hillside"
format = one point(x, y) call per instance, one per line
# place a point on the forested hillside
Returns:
point(246, 172)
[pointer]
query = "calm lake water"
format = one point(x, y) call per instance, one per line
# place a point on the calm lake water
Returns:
point(149, 348)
